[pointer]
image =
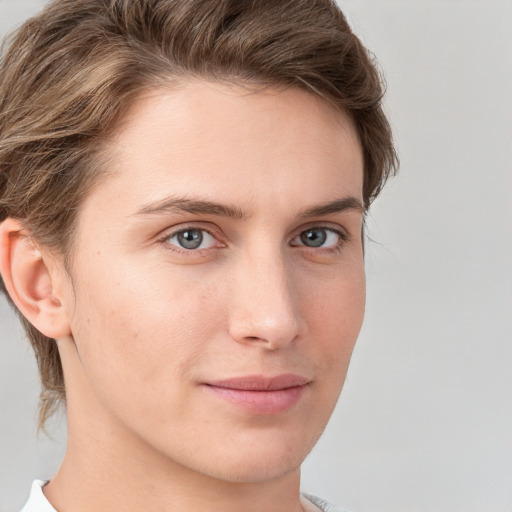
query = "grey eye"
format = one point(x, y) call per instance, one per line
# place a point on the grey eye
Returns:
point(315, 237)
point(326, 238)
point(192, 239)
point(189, 239)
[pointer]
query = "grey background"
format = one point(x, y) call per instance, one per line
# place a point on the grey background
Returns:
point(425, 420)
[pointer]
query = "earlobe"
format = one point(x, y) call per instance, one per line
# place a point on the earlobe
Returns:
point(30, 282)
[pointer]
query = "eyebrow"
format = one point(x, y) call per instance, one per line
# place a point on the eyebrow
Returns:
point(349, 203)
point(198, 206)
point(183, 204)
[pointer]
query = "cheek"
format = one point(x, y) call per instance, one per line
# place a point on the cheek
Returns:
point(138, 336)
point(335, 311)
point(336, 302)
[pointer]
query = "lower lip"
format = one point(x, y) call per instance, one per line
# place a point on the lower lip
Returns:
point(260, 402)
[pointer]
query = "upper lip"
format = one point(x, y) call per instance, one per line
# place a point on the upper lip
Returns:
point(261, 383)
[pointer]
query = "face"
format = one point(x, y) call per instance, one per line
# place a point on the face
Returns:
point(218, 280)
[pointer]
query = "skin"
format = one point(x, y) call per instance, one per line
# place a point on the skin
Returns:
point(142, 323)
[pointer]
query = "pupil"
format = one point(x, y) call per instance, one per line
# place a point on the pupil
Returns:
point(190, 239)
point(314, 237)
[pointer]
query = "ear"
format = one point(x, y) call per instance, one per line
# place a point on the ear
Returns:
point(34, 282)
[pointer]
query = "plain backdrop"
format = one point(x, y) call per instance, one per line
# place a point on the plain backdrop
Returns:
point(425, 420)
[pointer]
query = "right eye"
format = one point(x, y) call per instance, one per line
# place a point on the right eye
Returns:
point(191, 239)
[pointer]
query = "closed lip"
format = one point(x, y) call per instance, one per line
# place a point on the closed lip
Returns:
point(260, 382)
point(260, 395)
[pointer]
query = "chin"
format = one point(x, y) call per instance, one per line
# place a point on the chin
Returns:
point(255, 469)
point(259, 460)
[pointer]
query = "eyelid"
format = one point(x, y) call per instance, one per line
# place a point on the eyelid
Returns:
point(330, 226)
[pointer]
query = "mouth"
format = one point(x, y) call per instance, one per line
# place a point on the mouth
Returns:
point(260, 395)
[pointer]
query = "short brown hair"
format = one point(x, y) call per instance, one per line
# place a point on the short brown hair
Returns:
point(71, 72)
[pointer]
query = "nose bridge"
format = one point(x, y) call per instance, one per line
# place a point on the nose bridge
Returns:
point(264, 300)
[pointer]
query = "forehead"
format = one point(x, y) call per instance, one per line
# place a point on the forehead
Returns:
point(227, 143)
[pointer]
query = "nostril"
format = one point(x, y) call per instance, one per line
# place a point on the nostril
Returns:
point(256, 339)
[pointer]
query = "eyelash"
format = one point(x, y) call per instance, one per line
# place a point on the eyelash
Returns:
point(343, 239)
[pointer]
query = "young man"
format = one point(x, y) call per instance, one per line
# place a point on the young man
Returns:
point(183, 187)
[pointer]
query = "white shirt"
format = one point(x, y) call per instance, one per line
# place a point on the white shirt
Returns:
point(37, 501)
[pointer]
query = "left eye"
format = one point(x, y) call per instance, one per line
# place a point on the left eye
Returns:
point(192, 238)
point(318, 237)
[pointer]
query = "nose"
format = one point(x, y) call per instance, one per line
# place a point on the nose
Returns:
point(264, 303)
